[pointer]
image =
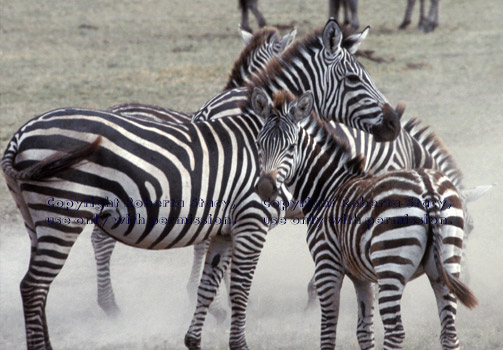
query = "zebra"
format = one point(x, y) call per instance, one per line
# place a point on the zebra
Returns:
point(427, 24)
point(71, 166)
point(245, 6)
point(323, 63)
point(259, 48)
point(387, 229)
point(415, 147)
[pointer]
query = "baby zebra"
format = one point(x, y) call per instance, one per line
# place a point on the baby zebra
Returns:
point(387, 229)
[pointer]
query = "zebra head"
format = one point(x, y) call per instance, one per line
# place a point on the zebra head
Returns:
point(277, 141)
point(347, 92)
point(258, 51)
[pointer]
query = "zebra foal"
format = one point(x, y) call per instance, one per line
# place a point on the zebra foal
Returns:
point(387, 229)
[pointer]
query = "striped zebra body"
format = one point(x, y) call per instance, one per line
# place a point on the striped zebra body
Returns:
point(123, 183)
point(259, 48)
point(386, 229)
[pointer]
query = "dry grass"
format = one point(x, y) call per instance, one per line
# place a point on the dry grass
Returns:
point(177, 54)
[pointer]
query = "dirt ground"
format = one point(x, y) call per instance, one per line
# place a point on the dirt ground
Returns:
point(177, 54)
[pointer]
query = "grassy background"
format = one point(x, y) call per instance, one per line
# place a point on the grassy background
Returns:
point(177, 54)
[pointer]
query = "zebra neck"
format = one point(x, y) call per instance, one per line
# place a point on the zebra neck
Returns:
point(322, 169)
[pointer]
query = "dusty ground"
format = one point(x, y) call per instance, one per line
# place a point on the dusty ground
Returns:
point(177, 54)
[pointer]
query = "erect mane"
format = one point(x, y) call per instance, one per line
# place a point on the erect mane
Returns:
point(332, 143)
point(310, 43)
point(428, 139)
point(261, 37)
point(281, 98)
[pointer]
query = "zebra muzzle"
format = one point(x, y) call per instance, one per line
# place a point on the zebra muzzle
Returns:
point(266, 188)
point(390, 126)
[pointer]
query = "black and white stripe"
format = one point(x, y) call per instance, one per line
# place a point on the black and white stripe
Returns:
point(415, 225)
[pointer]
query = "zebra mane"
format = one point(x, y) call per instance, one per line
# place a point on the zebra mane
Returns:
point(311, 42)
point(258, 39)
point(430, 141)
point(338, 148)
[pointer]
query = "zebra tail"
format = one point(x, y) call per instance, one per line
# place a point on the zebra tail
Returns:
point(49, 166)
point(458, 288)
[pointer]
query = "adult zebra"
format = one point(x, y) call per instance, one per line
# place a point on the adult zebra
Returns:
point(109, 161)
point(259, 48)
point(387, 229)
point(323, 63)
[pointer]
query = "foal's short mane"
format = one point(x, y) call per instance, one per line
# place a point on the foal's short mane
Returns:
point(428, 139)
point(261, 37)
point(310, 43)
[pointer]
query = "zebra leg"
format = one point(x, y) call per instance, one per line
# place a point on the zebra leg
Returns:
point(328, 285)
point(447, 306)
point(333, 9)
point(353, 6)
point(200, 250)
point(422, 18)
point(103, 246)
point(312, 295)
point(245, 23)
point(345, 8)
point(431, 22)
point(365, 299)
point(329, 274)
point(245, 254)
point(216, 308)
point(49, 254)
point(253, 5)
point(217, 261)
point(390, 296)
point(446, 303)
point(408, 13)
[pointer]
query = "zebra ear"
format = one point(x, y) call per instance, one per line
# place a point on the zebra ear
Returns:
point(475, 193)
point(302, 109)
point(288, 39)
point(246, 35)
point(260, 103)
point(353, 42)
point(332, 36)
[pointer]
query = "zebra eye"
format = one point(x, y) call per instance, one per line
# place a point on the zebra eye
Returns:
point(352, 78)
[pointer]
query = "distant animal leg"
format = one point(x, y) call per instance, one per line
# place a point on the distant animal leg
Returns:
point(408, 13)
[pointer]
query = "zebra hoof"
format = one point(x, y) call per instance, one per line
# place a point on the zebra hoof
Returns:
point(404, 25)
point(110, 309)
point(192, 343)
point(238, 345)
point(429, 27)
